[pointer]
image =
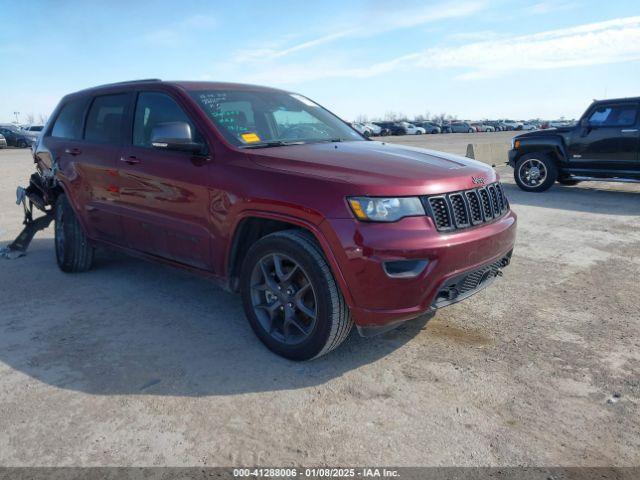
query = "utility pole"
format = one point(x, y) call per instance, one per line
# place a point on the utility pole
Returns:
point(16, 114)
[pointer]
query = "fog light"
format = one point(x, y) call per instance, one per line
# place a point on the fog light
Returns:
point(404, 268)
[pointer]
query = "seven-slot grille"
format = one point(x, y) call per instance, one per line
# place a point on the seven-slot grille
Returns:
point(458, 210)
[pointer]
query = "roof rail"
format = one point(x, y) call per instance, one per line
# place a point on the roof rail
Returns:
point(142, 80)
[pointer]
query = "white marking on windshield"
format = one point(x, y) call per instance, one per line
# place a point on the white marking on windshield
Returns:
point(304, 100)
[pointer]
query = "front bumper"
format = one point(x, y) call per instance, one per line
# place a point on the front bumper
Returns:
point(380, 300)
point(513, 155)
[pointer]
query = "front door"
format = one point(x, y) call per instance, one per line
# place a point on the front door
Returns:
point(609, 140)
point(164, 194)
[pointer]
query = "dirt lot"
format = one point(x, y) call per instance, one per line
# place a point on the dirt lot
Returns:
point(138, 364)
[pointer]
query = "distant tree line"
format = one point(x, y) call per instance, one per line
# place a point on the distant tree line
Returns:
point(30, 118)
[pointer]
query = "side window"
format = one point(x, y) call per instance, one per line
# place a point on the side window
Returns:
point(614, 116)
point(154, 108)
point(68, 124)
point(106, 118)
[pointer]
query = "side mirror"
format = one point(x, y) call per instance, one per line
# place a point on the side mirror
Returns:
point(584, 123)
point(175, 136)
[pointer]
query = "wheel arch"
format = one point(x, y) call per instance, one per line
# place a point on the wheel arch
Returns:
point(544, 145)
point(253, 225)
point(61, 188)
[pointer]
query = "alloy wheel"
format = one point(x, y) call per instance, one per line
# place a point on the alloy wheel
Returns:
point(532, 172)
point(283, 299)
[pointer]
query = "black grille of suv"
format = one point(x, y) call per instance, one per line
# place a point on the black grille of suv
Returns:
point(458, 210)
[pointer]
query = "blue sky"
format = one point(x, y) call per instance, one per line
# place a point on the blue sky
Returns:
point(470, 58)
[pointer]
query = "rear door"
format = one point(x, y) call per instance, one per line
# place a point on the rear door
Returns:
point(164, 194)
point(99, 152)
point(86, 158)
point(611, 139)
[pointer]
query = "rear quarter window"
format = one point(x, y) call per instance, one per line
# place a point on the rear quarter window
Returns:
point(68, 124)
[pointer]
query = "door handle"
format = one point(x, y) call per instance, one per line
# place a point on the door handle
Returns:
point(73, 151)
point(629, 130)
point(131, 160)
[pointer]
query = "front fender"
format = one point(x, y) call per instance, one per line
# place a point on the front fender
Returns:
point(549, 144)
point(315, 229)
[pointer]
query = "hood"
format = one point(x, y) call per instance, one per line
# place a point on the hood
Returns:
point(378, 166)
point(546, 132)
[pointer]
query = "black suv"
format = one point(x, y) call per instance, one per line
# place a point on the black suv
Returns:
point(604, 145)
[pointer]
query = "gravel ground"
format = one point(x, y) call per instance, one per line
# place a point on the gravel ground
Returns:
point(138, 364)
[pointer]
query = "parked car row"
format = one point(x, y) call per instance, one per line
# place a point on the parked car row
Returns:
point(392, 128)
point(384, 128)
point(15, 137)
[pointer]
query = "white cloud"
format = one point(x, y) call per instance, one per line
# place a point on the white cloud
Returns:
point(371, 23)
point(549, 6)
point(600, 43)
point(612, 41)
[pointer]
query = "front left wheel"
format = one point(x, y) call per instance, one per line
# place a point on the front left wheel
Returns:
point(535, 172)
point(291, 298)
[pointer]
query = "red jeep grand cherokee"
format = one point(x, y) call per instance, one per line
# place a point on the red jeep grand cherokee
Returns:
point(270, 194)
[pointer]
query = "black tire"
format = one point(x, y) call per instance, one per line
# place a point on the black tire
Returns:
point(568, 182)
point(546, 166)
point(333, 320)
point(21, 144)
point(74, 252)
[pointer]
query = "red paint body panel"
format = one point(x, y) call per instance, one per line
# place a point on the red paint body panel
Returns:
point(185, 210)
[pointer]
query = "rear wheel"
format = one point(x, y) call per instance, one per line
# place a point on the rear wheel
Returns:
point(535, 172)
point(21, 144)
point(290, 296)
point(74, 253)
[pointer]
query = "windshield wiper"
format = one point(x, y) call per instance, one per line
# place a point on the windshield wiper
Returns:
point(274, 143)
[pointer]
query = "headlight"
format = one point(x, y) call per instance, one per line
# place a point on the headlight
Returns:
point(375, 209)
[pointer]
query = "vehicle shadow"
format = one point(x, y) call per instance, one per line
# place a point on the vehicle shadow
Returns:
point(132, 327)
point(580, 198)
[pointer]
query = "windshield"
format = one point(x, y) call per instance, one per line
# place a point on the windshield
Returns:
point(260, 118)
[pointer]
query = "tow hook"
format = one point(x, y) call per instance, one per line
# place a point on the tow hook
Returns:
point(26, 197)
